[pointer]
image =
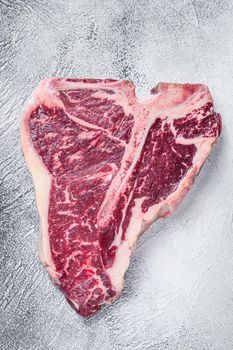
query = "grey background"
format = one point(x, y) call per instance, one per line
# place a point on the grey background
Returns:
point(179, 288)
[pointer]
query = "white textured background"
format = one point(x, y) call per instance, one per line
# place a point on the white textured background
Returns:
point(179, 288)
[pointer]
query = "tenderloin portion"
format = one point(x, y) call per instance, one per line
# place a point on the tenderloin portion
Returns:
point(105, 166)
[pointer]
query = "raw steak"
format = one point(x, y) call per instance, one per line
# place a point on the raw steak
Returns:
point(105, 166)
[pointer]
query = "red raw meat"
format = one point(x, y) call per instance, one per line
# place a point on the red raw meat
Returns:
point(105, 166)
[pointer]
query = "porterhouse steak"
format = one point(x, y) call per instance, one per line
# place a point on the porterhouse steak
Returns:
point(105, 166)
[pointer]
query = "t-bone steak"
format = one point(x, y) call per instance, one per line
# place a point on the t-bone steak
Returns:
point(105, 165)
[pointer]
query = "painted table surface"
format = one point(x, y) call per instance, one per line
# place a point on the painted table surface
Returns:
point(179, 287)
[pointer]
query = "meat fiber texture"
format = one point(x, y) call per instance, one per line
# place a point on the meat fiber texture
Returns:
point(105, 165)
